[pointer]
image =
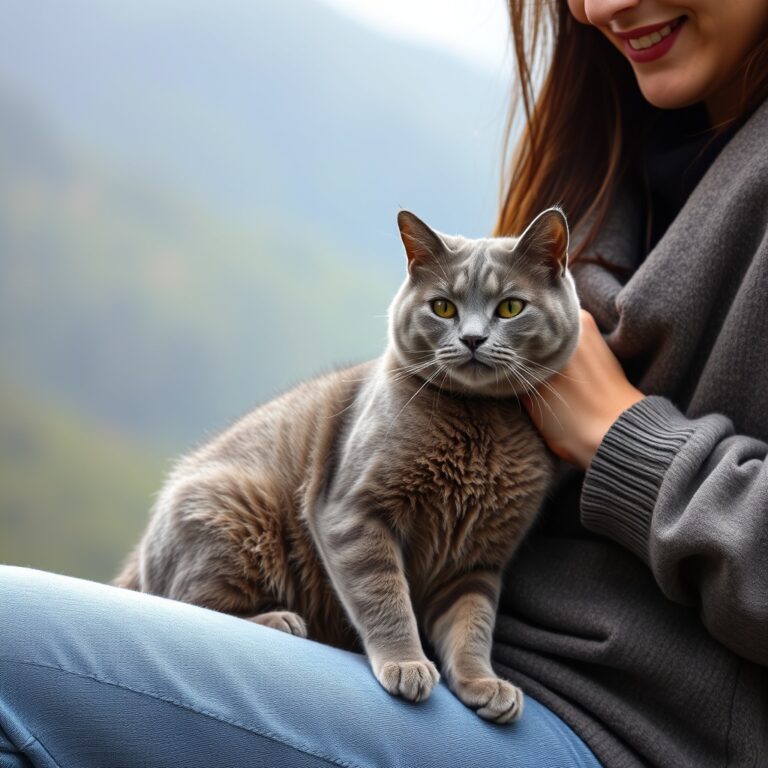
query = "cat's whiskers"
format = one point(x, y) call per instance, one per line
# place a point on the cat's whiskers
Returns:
point(421, 354)
point(408, 371)
point(418, 353)
point(551, 371)
point(408, 366)
point(537, 396)
point(518, 383)
point(449, 354)
point(500, 355)
point(401, 373)
point(410, 399)
point(545, 383)
point(531, 391)
point(523, 375)
point(512, 386)
point(438, 392)
point(514, 360)
point(422, 357)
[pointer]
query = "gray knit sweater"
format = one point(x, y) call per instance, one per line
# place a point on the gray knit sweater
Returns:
point(638, 608)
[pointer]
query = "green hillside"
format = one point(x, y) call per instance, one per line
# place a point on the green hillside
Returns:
point(73, 497)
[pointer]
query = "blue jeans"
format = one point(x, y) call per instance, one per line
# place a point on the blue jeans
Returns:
point(93, 676)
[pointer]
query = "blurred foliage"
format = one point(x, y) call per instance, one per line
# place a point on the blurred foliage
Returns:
point(73, 495)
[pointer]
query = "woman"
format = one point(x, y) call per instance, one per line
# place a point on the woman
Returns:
point(646, 627)
point(636, 614)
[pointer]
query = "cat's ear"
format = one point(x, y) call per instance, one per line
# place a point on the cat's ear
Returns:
point(546, 241)
point(422, 245)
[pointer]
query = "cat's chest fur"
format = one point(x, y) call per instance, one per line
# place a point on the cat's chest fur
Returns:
point(458, 480)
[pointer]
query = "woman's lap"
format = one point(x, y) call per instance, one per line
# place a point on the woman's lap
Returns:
point(95, 676)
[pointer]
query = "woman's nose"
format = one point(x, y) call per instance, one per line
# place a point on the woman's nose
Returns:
point(602, 12)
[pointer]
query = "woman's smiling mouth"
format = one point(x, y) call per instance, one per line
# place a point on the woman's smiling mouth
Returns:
point(651, 42)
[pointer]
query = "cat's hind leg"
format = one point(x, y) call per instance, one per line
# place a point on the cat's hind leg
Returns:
point(220, 539)
point(285, 621)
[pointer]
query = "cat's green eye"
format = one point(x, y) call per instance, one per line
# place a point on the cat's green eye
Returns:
point(510, 308)
point(444, 308)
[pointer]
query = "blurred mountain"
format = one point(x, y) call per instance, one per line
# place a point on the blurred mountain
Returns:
point(153, 315)
point(75, 496)
point(285, 109)
point(197, 199)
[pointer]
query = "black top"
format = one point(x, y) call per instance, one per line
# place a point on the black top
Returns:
point(680, 146)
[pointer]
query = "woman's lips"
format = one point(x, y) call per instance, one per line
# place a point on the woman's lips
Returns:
point(652, 42)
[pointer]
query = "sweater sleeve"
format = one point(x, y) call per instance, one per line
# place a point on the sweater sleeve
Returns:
point(690, 498)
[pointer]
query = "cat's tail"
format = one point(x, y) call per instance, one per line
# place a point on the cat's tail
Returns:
point(129, 577)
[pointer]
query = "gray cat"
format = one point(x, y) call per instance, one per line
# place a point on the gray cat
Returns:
point(382, 498)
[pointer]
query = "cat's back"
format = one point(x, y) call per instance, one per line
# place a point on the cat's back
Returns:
point(288, 432)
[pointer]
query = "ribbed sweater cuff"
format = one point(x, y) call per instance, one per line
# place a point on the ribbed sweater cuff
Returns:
point(623, 480)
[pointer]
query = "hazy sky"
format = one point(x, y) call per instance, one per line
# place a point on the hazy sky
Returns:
point(476, 30)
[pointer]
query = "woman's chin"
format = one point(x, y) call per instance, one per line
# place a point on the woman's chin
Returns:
point(670, 90)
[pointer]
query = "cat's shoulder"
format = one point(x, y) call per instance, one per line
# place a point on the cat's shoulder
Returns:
point(329, 388)
point(305, 407)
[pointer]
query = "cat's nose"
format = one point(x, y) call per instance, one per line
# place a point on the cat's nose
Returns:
point(473, 342)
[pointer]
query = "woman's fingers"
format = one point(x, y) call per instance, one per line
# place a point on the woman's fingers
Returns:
point(576, 407)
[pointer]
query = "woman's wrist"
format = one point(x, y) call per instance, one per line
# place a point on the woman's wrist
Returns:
point(614, 408)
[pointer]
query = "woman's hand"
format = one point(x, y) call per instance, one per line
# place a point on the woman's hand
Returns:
point(575, 408)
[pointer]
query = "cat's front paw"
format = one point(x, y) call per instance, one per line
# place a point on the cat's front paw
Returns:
point(492, 698)
point(413, 680)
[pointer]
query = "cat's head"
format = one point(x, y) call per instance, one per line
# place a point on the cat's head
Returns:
point(493, 316)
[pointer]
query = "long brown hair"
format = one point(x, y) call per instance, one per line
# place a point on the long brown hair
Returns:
point(583, 129)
